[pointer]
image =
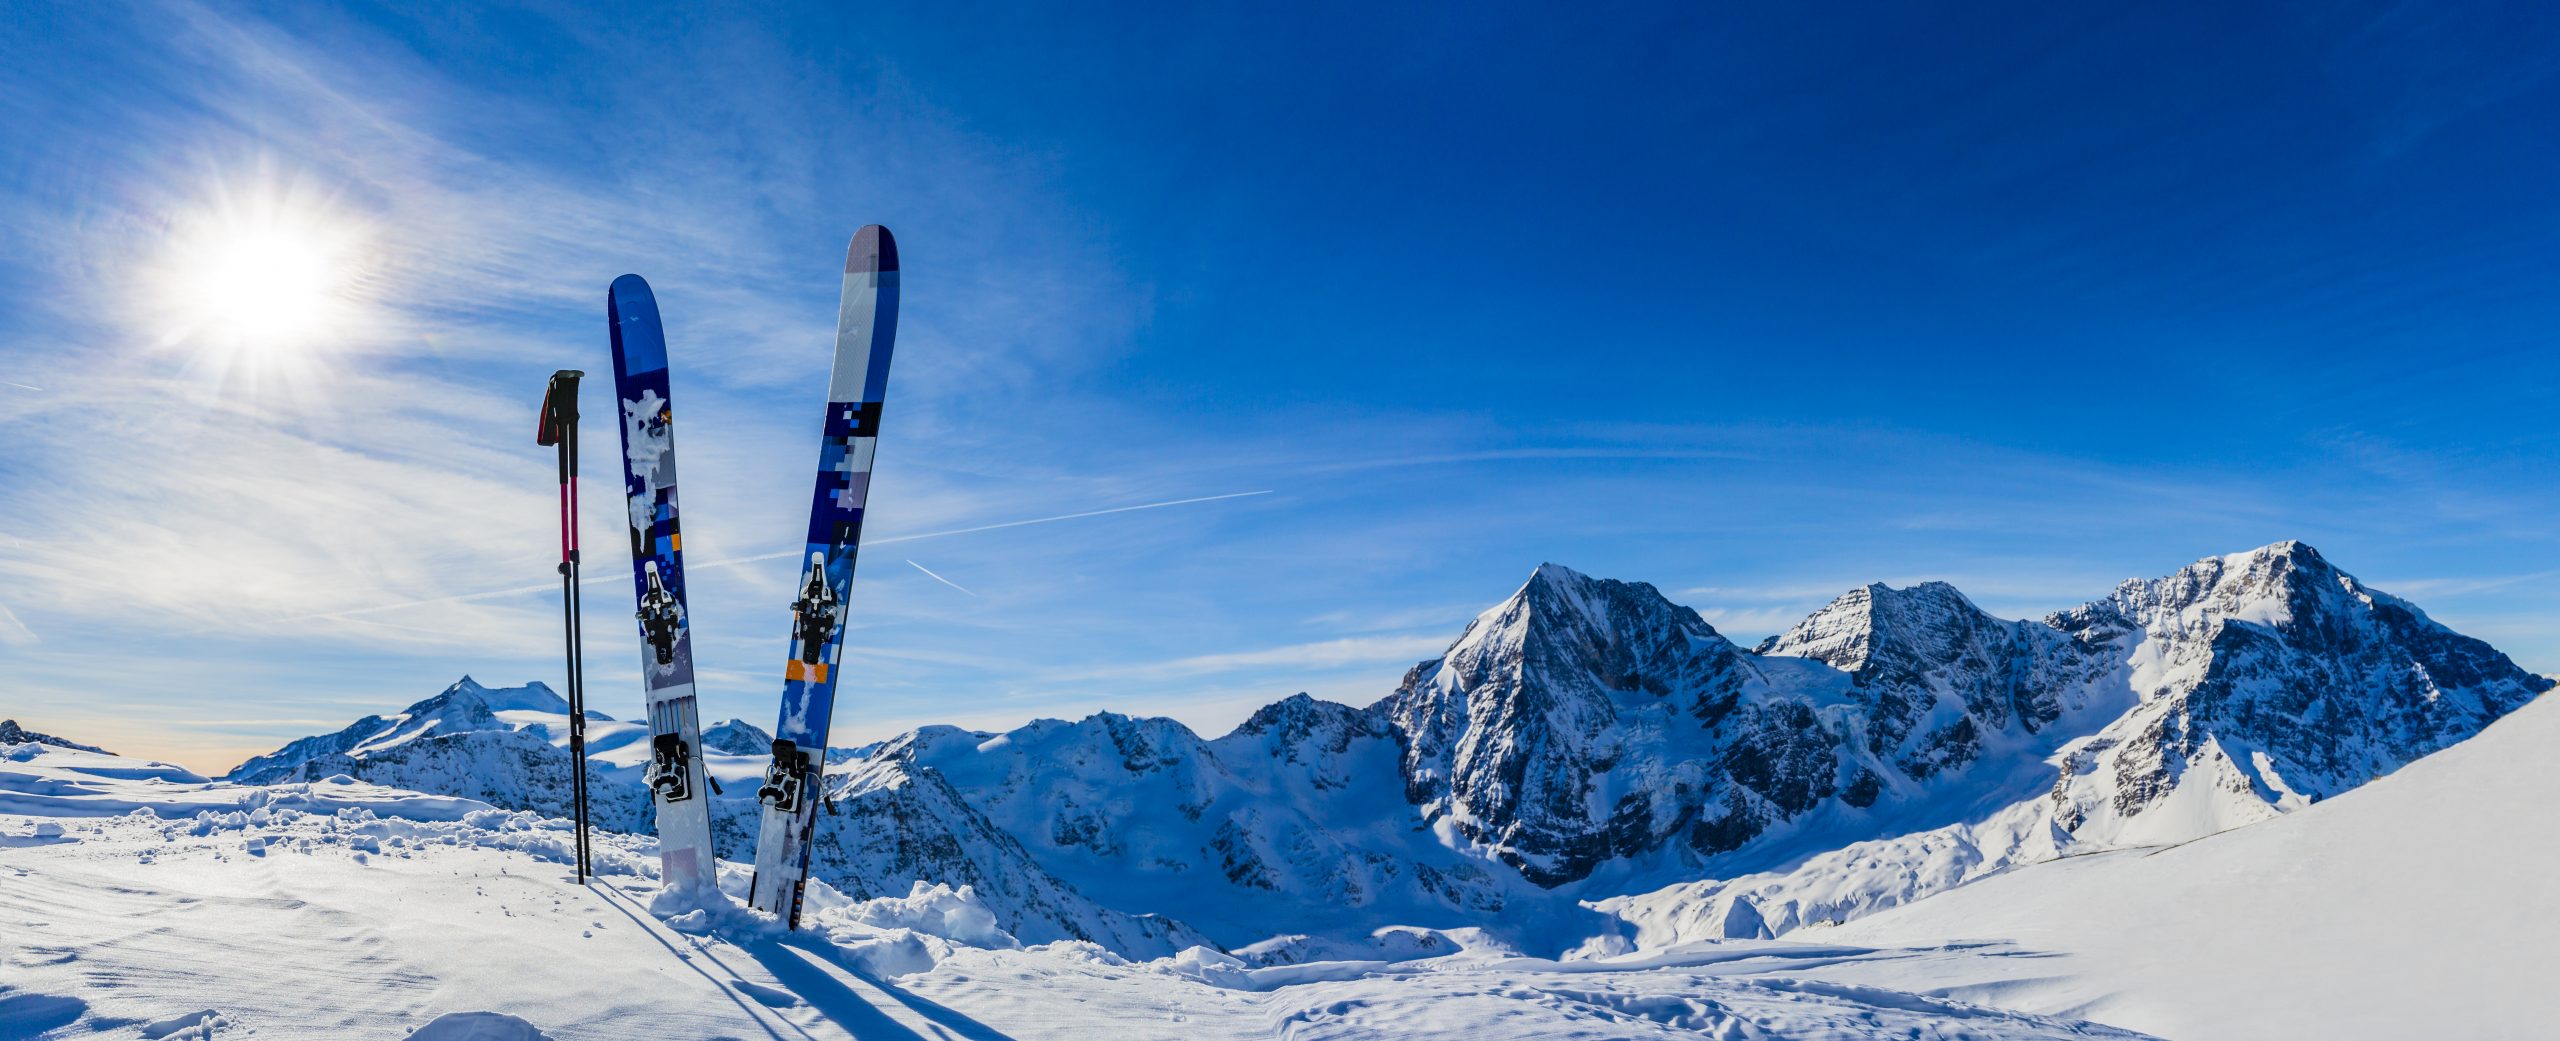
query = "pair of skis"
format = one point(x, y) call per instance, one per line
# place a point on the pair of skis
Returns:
point(866, 326)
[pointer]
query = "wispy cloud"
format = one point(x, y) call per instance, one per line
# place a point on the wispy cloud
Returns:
point(13, 632)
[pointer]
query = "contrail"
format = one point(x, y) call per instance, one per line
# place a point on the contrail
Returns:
point(929, 574)
point(22, 386)
point(697, 565)
point(732, 561)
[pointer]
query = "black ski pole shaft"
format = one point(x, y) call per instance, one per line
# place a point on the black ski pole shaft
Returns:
point(577, 643)
point(559, 427)
point(578, 652)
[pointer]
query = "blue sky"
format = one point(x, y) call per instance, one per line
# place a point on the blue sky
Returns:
point(1755, 305)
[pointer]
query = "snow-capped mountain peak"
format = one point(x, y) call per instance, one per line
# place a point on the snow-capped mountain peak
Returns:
point(1844, 633)
point(737, 737)
point(1512, 737)
point(2285, 679)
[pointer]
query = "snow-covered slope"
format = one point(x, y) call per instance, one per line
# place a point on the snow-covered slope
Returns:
point(138, 900)
point(2420, 905)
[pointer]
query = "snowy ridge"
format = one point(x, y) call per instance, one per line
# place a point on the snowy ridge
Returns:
point(508, 747)
point(1276, 823)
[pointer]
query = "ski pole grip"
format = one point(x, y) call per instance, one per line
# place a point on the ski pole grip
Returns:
point(559, 407)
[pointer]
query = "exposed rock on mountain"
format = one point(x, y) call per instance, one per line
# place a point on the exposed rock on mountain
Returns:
point(12, 734)
point(2276, 680)
point(738, 737)
point(2237, 689)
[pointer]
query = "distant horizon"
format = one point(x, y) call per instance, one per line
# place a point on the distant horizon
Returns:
point(1227, 717)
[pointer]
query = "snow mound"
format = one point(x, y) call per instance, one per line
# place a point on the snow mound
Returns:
point(478, 1026)
point(186, 1026)
point(934, 909)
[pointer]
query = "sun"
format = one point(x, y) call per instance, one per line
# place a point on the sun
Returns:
point(271, 287)
point(261, 278)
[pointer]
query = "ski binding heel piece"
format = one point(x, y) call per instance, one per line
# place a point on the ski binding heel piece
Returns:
point(665, 774)
point(781, 788)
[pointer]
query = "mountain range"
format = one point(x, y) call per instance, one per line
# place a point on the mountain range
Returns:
point(1589, 765)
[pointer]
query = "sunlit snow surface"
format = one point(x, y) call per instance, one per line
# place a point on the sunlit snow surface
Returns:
point(142, 900)
point(2423, 905)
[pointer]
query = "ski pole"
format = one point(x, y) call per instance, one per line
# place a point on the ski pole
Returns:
point(559, 426)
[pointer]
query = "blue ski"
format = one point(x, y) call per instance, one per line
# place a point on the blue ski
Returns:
point(866, 323)
point(674, 775)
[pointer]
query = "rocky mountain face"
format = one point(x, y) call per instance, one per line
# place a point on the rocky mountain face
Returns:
point(2271, 676)
point(737, 737)
point(1936, 678)
point(12, 734)
point(1588, 739)
point(1587, 720)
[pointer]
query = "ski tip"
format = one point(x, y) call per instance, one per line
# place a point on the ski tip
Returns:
point(874, 249)
point(630, 287)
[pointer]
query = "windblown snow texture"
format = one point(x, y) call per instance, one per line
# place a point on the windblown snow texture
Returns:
point(657, 577)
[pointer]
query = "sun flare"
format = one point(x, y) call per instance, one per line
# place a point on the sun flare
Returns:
point(265, 278)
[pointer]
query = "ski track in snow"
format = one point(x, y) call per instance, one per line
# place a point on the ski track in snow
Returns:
point(141, 900)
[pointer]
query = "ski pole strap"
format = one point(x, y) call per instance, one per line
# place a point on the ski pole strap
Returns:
point(559, 419)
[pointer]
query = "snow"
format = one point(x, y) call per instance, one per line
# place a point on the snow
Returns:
point(173, 907)
point(1898, 818)
point(2421, 905)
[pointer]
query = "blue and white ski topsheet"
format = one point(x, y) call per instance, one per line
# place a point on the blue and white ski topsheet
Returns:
point(866, 323)
point(674, 775)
